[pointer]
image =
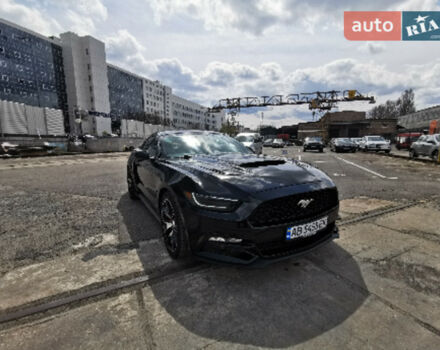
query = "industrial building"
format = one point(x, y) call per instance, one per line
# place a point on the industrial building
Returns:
point(347, 124)
point(427, 119)
point(71, 74)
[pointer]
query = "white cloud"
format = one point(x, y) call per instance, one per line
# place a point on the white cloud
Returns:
point(28, 17)
point(372, 47)
point(256, 17)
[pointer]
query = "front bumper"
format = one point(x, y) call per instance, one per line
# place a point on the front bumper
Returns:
point(379, 148)
point(314, 146)
point(259, 246)
point(345, 148)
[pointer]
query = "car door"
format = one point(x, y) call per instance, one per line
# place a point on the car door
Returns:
point(418, 145)
point(147, 169)
point(424, 146)
point(430, 145)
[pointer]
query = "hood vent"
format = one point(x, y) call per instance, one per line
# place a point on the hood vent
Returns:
point(262, 163)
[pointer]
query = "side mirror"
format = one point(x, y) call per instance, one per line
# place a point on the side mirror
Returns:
point(142, 154)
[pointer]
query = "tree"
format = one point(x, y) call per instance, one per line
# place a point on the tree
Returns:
point(230, 127)
point(394, 109)
point(406, 102)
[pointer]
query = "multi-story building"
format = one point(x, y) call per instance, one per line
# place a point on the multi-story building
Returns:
point(85, 70)
point(187, 114)
point(125, 93)
point(31, 68)
point(71, 73)
point(154, 98)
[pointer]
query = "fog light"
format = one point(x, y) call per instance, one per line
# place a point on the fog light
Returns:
point(225, 240)
point(216, 239)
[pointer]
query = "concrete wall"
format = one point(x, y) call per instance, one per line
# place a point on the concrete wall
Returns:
point(114, 144)
point(21, 119)
point(59, 142)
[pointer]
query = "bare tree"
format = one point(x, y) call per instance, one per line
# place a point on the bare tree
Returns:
point(394, 109)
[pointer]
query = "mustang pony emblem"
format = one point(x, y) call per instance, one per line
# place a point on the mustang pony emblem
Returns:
point(303, 203)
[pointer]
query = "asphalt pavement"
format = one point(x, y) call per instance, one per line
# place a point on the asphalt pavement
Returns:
point(72, 238)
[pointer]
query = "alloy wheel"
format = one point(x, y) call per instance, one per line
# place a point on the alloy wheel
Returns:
point(170, 227)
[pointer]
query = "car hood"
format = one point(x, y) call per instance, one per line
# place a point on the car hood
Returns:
point(379, 142)
point(248, 172)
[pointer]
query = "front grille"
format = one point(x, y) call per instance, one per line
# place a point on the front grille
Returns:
point(286, 209)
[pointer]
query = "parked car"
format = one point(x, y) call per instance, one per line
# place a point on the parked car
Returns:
point(268, 143)
point(375, 143)
point(251, 140)
point(313, 143)
point(405, 140)
point(426, 145)
point(342, 145)
point(278, 143)
point(356, 141)
point(218, 200)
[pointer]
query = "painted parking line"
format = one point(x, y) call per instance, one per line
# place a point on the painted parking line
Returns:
point(367, 170)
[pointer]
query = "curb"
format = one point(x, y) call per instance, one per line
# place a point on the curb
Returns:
point(422, 160)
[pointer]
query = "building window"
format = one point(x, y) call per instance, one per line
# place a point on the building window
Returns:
point(5, 77)
point(88, 66)
point(91, 99)
point(87, 51)
point(90, 77)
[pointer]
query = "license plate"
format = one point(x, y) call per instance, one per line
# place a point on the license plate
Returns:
point(306, 230)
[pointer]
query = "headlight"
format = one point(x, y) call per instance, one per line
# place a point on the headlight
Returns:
point(214, 203)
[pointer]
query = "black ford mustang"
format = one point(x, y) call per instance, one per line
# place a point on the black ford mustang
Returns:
point(218, 200)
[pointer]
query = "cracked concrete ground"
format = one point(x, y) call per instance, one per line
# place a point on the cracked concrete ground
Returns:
point(71, 227)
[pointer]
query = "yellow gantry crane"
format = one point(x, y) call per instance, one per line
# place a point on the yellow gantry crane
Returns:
point(320, 100)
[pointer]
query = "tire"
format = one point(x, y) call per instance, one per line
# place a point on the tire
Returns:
point(174, 234)
point(387, 152)
point(321, 150)
point(412, 153)
point(434, 156)
point(132, 188)
point(304, 149)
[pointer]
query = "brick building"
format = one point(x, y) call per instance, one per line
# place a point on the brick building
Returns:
point(347, 124)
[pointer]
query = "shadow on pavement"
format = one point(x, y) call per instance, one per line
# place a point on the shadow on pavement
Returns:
point(141, 228)
point(279, 306)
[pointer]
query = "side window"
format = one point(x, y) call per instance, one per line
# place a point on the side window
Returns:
point(421, 139)
point(430, 139)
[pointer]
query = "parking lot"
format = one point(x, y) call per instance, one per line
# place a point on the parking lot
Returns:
point(79, 257)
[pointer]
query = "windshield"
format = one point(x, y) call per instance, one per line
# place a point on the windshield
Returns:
point(177, 146)
point(375, 138)
point(278, 141)
point(245, 138)
point(342, 140)
point(314, 139)
point(437, 138)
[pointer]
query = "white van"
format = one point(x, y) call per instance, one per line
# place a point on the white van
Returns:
point(251, 140)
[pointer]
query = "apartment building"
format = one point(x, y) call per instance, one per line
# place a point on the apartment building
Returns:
point(71, 73)
point(31, 68)
point(85, 70)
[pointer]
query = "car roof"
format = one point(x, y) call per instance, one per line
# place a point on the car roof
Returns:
point(188, 132)
point(247, 133)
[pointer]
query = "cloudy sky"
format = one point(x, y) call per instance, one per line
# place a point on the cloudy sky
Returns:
point(211, 49)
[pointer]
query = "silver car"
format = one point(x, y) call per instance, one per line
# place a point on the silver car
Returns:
point(252, 141)
point(426, 145)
